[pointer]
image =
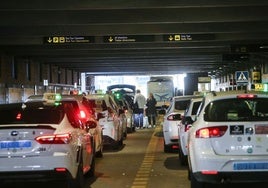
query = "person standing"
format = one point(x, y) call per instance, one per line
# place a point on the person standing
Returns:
point(140, 100)
point(151, 110)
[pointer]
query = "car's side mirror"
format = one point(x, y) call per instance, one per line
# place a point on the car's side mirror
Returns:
point(187, 120)
point(162, 111)
point(100, 115)
point(165, 106)
point(110, 110)
point(90, 125)
point(124, 107)
point(121, 111)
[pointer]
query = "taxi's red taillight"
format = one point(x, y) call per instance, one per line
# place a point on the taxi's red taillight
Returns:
point(18, 117)
point(54, 139)
point(211, 132)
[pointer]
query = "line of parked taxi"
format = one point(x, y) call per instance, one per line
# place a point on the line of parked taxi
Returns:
point(221, 136)
point(57, 137)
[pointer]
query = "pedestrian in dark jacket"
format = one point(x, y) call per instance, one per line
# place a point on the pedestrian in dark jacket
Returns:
point(151, 110)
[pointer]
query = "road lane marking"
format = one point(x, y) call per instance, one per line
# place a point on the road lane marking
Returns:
point(142, 176)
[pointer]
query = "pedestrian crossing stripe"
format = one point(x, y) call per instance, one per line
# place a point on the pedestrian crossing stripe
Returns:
point(241, 76)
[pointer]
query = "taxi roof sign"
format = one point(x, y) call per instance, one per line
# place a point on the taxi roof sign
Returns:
point(52, 97)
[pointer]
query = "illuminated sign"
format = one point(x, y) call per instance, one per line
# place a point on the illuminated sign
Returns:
point(128, 38)
point(241, 77)
point(187, 37)
point(68, 39)
point(256, 76)
point(259, 87)
point(204, 79)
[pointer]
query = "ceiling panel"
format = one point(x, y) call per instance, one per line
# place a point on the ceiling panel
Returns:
point(137, 37)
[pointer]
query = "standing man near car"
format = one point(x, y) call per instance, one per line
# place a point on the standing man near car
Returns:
point(141, 102)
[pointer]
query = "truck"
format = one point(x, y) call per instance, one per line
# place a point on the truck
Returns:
point(162, 87)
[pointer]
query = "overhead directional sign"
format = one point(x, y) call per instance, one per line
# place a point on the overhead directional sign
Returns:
point(187, 37)
point(241, 77)
point(128, 38)
point(68, 39)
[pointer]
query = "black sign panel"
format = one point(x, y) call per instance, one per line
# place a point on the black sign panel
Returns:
point(247, 48)
point(128, 38)
point(68, 39)
point(187, 37)
point(236, 129)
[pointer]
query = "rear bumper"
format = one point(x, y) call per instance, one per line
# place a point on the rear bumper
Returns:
point(38, 167)
point(170, 139)
point(34, 176)
point(233, 177)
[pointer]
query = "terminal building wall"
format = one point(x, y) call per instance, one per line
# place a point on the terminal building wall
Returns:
point(21, 77)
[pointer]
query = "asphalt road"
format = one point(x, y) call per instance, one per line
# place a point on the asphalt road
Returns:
point(140, 163)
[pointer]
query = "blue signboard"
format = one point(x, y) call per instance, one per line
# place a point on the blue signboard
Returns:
point(241, 77)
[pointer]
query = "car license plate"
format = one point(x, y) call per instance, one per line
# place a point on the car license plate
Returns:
point(15, 144)
point(250, 166)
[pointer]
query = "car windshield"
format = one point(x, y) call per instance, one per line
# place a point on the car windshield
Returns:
point(237, 110)
point(31, 113)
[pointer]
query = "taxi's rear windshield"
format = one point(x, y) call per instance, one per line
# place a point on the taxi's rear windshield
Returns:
point(32, 113)
point(237, 109)
point(182, 104)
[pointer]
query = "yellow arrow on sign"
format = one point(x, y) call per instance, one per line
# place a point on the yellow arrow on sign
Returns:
point(111, 39)
point(49, 40)
point(170, 37)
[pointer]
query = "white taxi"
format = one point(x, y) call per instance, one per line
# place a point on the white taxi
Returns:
point(172, 119)
point(185, 124)
point(228, 141)
point(124, 96)
point(45, 140)
point(109, 115)
point(89, 116)
point(86, 115)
